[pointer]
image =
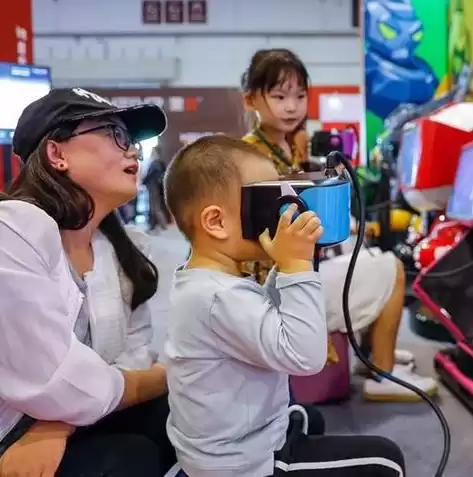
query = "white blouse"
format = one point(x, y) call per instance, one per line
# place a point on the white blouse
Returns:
point(45, 371)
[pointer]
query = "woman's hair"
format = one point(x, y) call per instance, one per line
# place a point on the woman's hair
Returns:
point(72, 208)
point(269, 68)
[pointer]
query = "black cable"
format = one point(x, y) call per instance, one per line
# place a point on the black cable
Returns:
point(338, 158)
point(378, 206)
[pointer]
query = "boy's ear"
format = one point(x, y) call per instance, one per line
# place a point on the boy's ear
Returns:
point(213, 223)
point(248, 102)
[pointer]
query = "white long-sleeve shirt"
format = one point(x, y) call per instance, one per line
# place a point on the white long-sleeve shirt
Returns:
point(45, 371)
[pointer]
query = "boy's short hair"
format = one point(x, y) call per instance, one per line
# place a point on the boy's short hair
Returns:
point(204, 170)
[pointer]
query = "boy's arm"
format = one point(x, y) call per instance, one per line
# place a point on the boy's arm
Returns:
point(292, 340)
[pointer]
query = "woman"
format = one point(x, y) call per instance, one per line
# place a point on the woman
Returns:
point(81, 392)
point(275, 87)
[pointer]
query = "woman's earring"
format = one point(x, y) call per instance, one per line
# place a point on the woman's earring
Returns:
point(61, 166)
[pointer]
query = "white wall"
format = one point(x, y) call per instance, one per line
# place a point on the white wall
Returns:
point(104, 43)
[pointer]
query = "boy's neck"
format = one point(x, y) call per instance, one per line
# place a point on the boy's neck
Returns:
point(273, 135)
point(213, 260)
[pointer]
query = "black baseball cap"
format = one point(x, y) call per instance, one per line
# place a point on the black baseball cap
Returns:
point(65, 106)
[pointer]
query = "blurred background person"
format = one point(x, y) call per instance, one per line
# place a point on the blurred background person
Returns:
point(158, 216)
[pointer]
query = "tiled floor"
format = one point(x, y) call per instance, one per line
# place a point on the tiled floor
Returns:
point(413, 426)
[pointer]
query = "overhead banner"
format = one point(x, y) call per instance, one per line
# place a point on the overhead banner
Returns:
point(16, 46)
point(191, 112)
point(16, 35)
point(405, 55)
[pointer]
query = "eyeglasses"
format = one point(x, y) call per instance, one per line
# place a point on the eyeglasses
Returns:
point(120, 135)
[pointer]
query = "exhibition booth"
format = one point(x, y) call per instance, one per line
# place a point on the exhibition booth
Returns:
point(408, 129)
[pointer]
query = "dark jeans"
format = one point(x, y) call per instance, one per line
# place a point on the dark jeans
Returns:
point(128, 443)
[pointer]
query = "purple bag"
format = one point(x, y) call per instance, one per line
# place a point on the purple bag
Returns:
point(331, 384)
point(349, 143)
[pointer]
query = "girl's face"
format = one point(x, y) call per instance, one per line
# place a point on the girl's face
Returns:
point(101, 159)
point(282, 108)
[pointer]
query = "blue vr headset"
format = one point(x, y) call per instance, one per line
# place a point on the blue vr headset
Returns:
point(330, 198)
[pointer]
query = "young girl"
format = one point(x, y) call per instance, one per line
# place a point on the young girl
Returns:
point(81, 392)
point(275, 88)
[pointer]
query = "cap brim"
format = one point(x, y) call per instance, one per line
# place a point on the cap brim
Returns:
point(143, 121)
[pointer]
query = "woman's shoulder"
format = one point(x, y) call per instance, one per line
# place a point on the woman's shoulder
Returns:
point(21, 212)
point(30, 223)
point(23, 216)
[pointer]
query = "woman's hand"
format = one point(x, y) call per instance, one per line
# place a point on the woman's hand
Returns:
point(38, 453)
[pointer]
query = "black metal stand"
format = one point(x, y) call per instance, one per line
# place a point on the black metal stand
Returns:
point(386, 239)
point(452, 384)
point(316, 258)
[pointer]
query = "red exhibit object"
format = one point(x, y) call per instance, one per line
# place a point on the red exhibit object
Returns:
point(16, 35)
point(443, 236)
point(429, 155)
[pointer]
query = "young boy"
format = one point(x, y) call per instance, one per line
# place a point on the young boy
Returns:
point(232, 342)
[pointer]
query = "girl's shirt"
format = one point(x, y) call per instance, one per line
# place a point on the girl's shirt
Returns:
point(62, 338)
point(285, 165)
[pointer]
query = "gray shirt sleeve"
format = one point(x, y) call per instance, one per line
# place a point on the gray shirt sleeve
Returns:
point(290, 338)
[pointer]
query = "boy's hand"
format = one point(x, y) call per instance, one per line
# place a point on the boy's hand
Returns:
point(292, 248)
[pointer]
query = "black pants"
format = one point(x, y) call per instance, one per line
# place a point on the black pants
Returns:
point(128, 443)
point(317, 455)
point(341, 456)
point(316, 421)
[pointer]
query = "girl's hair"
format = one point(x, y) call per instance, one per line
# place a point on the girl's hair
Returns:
point(269, 68)
point(72, 208)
